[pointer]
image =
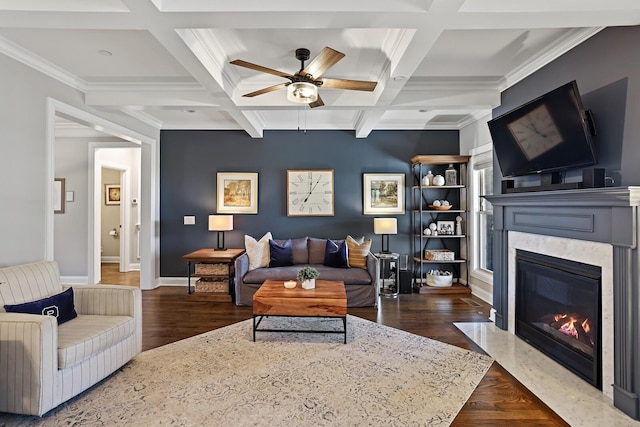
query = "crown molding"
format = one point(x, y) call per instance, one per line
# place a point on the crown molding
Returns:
point(558, 48)
point(38, 63)
point(149, 87)
point(144, 118)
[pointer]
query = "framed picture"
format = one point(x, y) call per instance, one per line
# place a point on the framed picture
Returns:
point(111, 194)
point(58, 196)
point(237, 192)
point(383, 193)
point(310, 192)
point(446, 228)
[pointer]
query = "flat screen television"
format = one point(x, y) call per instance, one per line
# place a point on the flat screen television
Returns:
point(551, 133)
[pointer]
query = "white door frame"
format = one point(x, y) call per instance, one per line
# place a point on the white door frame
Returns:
point(149, 199)
point(124, 230)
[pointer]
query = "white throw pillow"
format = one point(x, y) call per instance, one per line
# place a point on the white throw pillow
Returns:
point(257, 251)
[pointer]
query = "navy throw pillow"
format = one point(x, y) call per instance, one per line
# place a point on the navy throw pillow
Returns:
point(280, 255)
point(59, 306)
point(335, 255)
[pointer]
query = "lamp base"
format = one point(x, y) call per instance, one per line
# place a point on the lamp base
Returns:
point(220, 242)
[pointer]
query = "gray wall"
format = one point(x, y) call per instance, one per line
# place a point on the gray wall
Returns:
point(189, 161)
point(23, 159)
point(607, 70)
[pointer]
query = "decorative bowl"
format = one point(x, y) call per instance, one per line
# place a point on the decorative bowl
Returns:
point(440, 208)
point(290, 284)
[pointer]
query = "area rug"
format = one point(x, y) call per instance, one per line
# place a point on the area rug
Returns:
point(382, 376)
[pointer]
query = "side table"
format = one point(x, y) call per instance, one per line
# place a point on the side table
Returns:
point(388, 280)
point(224, 259)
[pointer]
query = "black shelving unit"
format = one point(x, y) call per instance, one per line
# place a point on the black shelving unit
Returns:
point(423, 214)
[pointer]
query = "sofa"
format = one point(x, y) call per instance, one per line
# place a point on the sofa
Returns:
point(90, 332)
point(360, 281)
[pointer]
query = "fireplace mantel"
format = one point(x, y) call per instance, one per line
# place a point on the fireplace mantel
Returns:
point(606, 215)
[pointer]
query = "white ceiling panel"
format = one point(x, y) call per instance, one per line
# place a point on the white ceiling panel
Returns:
point(438, 64)
point(133, 54)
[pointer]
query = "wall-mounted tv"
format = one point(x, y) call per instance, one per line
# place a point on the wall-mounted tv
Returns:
point(548, 134)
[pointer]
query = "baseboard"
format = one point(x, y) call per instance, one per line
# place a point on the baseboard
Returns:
point(175, 281)
point(110, 259)
point(75, 280)
point(482, 294)
point(134, 266)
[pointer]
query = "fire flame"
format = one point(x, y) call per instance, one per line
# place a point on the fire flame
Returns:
point(569, 328)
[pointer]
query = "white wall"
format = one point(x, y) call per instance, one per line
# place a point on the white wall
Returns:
point(24, 182)
point(475, 135)
point(471, 137)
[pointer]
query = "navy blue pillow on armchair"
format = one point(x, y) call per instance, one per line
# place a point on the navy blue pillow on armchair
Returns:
point(280, 255)
point(335, 255)
point(59, 306)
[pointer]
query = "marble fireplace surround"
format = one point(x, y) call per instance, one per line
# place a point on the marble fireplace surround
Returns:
point(598, 226)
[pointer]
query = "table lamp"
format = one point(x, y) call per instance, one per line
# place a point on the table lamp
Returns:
point(385, 226)
point(220, 223)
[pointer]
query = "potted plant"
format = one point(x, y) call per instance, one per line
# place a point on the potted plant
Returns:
point(307, 276)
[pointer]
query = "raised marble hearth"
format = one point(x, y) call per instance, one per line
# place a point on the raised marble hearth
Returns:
point(593, 226)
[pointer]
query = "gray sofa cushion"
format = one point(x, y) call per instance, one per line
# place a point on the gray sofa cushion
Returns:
point(316, 250)
point(350, 276)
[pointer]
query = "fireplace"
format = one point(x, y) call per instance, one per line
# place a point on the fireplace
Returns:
point(558, 311)
point(597, 226)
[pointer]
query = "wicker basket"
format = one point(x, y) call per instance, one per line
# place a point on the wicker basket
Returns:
point(208, 285)
point(439, 255)
point(217, 269)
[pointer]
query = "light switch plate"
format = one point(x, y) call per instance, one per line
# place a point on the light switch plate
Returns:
point(189, 220)
point(68, 196)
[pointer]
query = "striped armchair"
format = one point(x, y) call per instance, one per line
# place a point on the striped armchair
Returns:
point(43, 364)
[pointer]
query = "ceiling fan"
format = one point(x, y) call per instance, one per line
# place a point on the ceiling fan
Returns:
point(303, 85)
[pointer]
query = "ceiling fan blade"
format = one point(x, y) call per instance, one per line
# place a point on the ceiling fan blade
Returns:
point(349, 84)
point(245, 64)
point(266, 90)
point(317, 103)
point(326, 59)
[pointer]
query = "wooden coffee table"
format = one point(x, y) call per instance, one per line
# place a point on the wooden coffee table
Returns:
point(328, 299)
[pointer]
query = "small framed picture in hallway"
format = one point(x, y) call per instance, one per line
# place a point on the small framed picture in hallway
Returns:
point(112, 194)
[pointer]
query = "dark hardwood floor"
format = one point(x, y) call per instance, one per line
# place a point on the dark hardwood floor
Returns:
point(170, 314)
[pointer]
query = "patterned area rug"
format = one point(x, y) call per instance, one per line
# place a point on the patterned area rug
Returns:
point(382, 376)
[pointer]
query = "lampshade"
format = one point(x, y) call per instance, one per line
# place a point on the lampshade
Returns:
point(302, 92)
point(385, 226)
point(220, 222)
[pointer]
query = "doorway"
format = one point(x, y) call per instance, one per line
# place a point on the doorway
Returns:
point(114, 135)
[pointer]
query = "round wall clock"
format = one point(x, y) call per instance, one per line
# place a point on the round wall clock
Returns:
point(310, 192)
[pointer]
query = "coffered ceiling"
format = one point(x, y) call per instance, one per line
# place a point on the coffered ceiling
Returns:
point(439, 64)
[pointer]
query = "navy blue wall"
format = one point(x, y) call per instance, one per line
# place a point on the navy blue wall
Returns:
point(607, 70)
point(189, 161)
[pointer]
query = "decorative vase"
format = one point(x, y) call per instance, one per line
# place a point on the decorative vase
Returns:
point(438, 180)
point(429, 179)
point(451, 176)
point(309, 284)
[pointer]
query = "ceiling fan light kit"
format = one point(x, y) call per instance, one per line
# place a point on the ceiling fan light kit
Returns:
point(303, 85)
point(302, 92)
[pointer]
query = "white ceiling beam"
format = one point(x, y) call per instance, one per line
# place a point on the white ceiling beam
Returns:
point(250, 121)
point(366, 122)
